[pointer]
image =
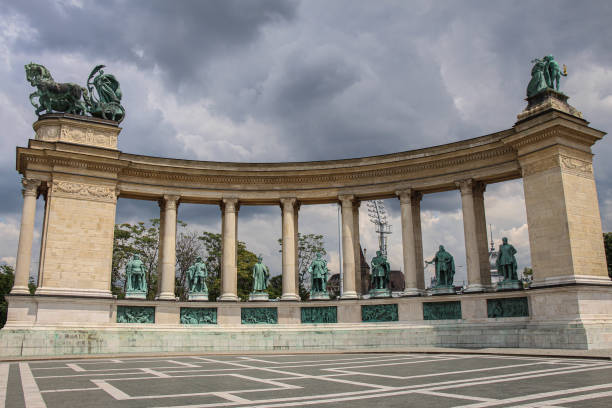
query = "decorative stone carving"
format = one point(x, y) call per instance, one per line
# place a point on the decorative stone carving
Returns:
point(323, 314)
point(576, 166)
point(62, 130)
point(84, 191)
point(198, 315)
point(507, 307)
point(379, 313)
point(259, 315)
point(441, 310)
point(30, 187)
point(135, 314)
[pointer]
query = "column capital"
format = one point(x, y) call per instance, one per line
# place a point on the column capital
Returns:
point(479, 187)
point(117, 190)
point(409, 196)
point(288, 203)
point(230, 204)
point(465, 186)
point(171, 201)
point(30, 187)
point(346, 199)
point(356, 203)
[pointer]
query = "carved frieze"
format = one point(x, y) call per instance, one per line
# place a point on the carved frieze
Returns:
point(70, 133)
point(576, 166)
point(379, 313)
point(323, 314)
point(94, 192)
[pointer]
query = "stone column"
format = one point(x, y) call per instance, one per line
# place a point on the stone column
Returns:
point(296, 210)
point(160, 246)
point(229, 248)
point(356, 242)
point(169, 248)
point(26, 235)
point(481, 233)
point(289, 245)
point(471, 240)
point(412, 242)
point(348, 247)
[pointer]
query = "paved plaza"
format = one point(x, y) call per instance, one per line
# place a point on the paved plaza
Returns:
point(294, 380)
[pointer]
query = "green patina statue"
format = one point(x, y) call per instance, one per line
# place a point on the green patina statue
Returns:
point(506, 262)
point(445, 268)
point(196, 275)
point(318, 271)
point(72, 98)
point(54, 96)
point(108, 103)
point(545, 74)
point(135, 275)
point(261, 274)
point(381, 271)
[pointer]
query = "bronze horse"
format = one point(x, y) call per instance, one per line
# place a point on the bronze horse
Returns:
point(54, 96)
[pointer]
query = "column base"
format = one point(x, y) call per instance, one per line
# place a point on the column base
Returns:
point(349, 295)
point(476, 287)
point(412, 292)
point(166, 296)
point(572, 280)
point(291, 297)
point(20, 290)
point(227, 297)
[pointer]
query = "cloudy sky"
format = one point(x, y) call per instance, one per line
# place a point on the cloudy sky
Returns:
point(283, 80)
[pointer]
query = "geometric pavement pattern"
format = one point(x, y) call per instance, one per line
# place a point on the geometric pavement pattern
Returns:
point(326, 380)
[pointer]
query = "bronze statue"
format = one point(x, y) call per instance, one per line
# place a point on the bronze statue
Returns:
point(196, 275)
point(135, 274)
point(318, 271)
point(506, 261)
point(381, 271)
point(445, 268)
point(261, 274)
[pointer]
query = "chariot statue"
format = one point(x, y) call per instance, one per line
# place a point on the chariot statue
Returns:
point(74, 99)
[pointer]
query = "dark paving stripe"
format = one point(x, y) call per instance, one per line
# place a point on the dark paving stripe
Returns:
point(14, 391)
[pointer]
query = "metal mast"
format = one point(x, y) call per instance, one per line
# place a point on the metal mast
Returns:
point(378, 216)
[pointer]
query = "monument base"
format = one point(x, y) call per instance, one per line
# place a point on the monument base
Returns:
point(135, 295)
point(508, 285)
point(259, 297)
point(441, 290)
point(379, 293)
point(202, 297)
point(319, 296)
point(568, 317)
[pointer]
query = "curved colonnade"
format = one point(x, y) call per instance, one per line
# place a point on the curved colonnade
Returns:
point(74, 163)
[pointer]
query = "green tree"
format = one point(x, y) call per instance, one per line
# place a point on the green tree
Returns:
point(7, 278)
point(607, 237)
point(141, 239)
point(275, 286)
point(308, 247)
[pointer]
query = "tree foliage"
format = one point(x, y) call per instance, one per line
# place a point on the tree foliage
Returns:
point(7, 278)
point(607, 237)
point(143, 239)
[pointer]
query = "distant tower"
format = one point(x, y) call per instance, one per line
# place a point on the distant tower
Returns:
point(495, 277)
point(378, 216)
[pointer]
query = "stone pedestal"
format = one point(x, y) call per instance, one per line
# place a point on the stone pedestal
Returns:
point(259, 297)
point(508, 285)
point(319, 296)
point(380, 293)
point(441, 290)
point(135, 295)
point(202, 297)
